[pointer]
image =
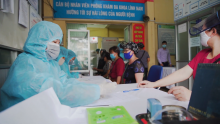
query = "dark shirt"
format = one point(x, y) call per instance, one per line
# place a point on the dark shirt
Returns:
point(101, 64)
point(144, 58)
point(132, 69)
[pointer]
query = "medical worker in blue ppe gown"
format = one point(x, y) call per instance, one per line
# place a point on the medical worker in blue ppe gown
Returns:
point(121, 52)
point(63, 54)
point(36, 70)
point(69, 60)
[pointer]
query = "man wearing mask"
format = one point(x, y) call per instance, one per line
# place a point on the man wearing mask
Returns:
point(163, 55)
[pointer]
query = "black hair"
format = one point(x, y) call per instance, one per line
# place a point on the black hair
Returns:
point(213, 22)
point(115, 49)
point(103, 53)
point(164, 42)
point(140, 45)
point(107, 55)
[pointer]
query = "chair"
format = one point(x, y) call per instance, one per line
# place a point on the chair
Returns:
point(155, 73)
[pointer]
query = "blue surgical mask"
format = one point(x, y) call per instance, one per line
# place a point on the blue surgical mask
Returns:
point(112, 56)
point(164, 46)
point(127, 55)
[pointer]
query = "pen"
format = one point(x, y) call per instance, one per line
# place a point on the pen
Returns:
point(130, 90)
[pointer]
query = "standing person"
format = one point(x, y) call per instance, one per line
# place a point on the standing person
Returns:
point(134, 70)
point(209, 30)
point(106, 69)
point(144, 57)
point(118, 66)
point(163, 55)
point(101, 62)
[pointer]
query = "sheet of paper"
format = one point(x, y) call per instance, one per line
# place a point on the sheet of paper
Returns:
point(23, 13)
point(182, 28)
point(34, 3)
point(195, 41)
point(8, 6)
point(34, 17)
point(43, 108)
point(114, 98)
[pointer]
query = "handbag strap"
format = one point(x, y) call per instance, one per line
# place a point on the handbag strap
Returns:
point(216, 61)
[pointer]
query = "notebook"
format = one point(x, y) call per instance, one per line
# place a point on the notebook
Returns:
point(205, 98)
point(109, 115)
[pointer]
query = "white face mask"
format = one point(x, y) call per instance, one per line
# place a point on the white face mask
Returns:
point(61, 61)
point(52, 50)
point(204, 39)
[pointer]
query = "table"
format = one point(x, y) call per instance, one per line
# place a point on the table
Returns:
point(167, 71)
point(46, 108)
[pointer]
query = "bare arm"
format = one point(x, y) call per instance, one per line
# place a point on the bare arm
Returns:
point(118, 79)
point(148, 60)
point(139, 77)
point(176, 77)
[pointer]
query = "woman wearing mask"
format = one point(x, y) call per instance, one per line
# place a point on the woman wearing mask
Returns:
point(134, 69)
point(69, 60)
point(209, 30)
point(106, 69)
point(36, 70)
point(118, 66)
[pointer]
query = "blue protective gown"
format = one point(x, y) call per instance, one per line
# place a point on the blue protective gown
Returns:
point(32, 73)
point(65, 66)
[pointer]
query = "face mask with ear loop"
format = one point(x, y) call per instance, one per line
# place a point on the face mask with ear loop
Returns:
point(52, 51)
point(204, 38)
point(209, 23)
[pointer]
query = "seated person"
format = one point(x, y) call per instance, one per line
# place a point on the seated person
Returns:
point(106, 69)
point(118, 66)
point(209, 36)
point(35, 70)
point(134, 69)
point(69, 60)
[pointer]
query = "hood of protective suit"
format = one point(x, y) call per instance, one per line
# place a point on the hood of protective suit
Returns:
point(38, 37)
point(63, 53)
point(71, 54)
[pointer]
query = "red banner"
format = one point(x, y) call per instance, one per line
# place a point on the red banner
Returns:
point(133, 1)
point(138, 33)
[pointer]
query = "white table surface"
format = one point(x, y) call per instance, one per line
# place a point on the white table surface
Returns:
point(45, 107)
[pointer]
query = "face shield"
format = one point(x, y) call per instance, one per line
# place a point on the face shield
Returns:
point(206, 24)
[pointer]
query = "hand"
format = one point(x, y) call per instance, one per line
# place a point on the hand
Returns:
point(161, 64)
point(170, 65)
point(146, 84)
point(106, 88)
point(181, 93)
point(94, 68)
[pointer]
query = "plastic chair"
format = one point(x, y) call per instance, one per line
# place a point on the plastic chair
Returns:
point(155, 73)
